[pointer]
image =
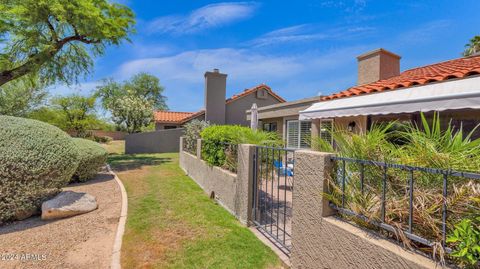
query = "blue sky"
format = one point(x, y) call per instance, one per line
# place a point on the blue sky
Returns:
point(299, 48)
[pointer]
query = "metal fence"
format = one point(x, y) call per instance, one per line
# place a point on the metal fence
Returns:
point(230, 152)
point(221, 154)
point(272, 194)
point(360, 183)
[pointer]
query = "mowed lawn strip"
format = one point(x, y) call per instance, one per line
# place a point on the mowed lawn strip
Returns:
point(172, 223)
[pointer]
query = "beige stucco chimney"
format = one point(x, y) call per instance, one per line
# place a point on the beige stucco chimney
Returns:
point(215, 91)
point(376, 65)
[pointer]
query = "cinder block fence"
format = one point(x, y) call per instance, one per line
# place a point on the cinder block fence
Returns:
point(319, 239)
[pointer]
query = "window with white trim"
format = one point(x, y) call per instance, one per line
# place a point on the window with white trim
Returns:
point(298, 133)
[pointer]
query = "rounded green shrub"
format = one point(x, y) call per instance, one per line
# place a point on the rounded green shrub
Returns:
point(219, 145)
point(36, 160)
point(92, 157)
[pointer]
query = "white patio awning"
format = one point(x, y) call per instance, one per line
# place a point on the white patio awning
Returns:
point(454, 94)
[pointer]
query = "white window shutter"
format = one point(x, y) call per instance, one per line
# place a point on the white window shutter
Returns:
point(305, 134)
point(292, 133)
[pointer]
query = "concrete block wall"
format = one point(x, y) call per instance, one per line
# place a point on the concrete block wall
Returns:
point(232, 191)
point(153, 142)
point(320, 240)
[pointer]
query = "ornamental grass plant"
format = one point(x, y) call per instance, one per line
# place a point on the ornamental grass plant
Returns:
point(427, 145)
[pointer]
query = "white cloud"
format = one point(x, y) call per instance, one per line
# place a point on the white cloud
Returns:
point(425, 32)
point(209, 16)
point(293, 76)
point(188, 66)
point(353, 6)
point(308, 32)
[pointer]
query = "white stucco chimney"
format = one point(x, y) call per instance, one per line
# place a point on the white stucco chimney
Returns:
point(215, 91)
point(376, 65)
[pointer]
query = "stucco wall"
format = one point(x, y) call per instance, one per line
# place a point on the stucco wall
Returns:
point(153, 142)
point(360, 123)
point(214, 100)
point(285, 109)
point(211, 179)
point(236, 110)
point(232, 191)
point(322, 241)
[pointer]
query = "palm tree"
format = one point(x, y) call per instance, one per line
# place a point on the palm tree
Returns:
point(473, 47)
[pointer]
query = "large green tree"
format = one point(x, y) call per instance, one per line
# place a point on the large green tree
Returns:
point(473, 46)
point(132, 102)
point(21, 96)
point(57, 39)
point(78, 111)
point(132, 112)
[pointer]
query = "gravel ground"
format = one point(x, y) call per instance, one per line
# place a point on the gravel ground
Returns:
point(83, 241)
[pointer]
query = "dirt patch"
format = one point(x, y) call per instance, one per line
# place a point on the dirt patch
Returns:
point(135, 178)
point(83, 241)
point(154, 250)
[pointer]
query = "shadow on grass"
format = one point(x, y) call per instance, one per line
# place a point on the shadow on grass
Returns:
point(131, 162)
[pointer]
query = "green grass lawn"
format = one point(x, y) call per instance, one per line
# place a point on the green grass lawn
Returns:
point(172, 223)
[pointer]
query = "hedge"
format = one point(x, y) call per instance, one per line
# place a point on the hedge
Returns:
point(36, 160)
point(92, 157)
point(219, 142)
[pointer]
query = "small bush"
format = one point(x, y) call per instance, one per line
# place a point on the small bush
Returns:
point(36, 160)
point(466, 237)
point(192, 133)
point(101, 139)
point(219, 143)
point(92, 157)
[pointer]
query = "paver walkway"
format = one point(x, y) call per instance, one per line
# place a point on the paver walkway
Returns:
point(83, 241)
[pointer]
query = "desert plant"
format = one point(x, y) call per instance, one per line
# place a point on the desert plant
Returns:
point(427, 144)
point(373, 145)
point(92, 157)
point(101, 139)
point(36, 160)
point(433, 145)
point(192, 133)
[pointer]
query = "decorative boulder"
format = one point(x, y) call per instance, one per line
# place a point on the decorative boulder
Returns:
point(68, 204)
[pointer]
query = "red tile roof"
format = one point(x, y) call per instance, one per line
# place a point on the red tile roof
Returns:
point(457, 68)
point(193, 116)
point(182, 117)
point(254, 89)
point(171, 117)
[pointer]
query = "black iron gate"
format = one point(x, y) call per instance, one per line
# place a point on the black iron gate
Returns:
point(272, 194)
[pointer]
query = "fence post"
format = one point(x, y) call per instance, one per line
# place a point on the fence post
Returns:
point(199, 149)
point(181, 143)
point(311, 173)
point(244, 184)
point(180, 151)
